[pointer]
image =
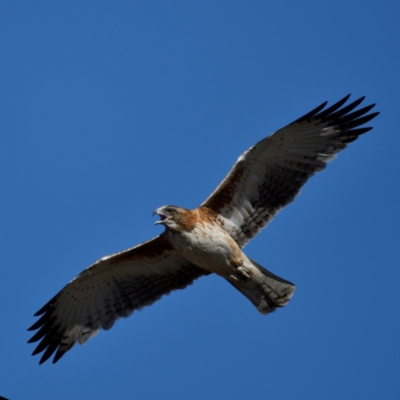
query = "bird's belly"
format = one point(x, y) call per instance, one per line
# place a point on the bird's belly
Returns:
point(210, 249)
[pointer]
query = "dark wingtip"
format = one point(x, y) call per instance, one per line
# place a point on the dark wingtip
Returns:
point(58, 355)
point(48, 352)
point(312, 112)
point(361, 131)
point(40, 322)
point(332, 108)
point(45, 307)
point(32, 340)
point(341, 115)
point(35, 352)
point(345, 110)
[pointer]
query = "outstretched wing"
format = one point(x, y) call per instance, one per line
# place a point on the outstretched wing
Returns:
point(111, 288)
point(270, 174)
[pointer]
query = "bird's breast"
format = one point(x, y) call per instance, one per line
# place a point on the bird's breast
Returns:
point(209, 247)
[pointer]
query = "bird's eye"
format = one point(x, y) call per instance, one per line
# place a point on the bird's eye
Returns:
point(170, 211)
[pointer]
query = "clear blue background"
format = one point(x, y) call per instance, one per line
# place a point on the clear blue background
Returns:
point(110, 109)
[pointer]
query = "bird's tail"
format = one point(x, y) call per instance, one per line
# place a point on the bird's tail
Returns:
point(266, 290)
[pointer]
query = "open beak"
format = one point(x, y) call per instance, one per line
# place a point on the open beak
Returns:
point(162, 216)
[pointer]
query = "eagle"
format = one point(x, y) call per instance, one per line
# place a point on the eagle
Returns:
point(208, 239)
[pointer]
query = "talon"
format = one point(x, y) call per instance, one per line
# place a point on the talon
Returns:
point(244, 272)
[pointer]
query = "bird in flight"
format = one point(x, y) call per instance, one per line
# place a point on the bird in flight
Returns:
point(208, 239)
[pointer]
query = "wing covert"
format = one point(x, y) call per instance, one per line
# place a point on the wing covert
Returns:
point(111, 288)
point(270, 174)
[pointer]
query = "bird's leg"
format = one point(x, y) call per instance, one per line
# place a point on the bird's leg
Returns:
point(238, 260)
point(243, 273)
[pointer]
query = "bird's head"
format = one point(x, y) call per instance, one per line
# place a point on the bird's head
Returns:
point(175, 218)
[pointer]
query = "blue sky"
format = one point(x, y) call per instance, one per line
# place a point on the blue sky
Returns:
point(111, 109)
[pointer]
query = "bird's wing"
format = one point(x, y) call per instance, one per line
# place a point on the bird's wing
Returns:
point(111, 288)
point(270, 174)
